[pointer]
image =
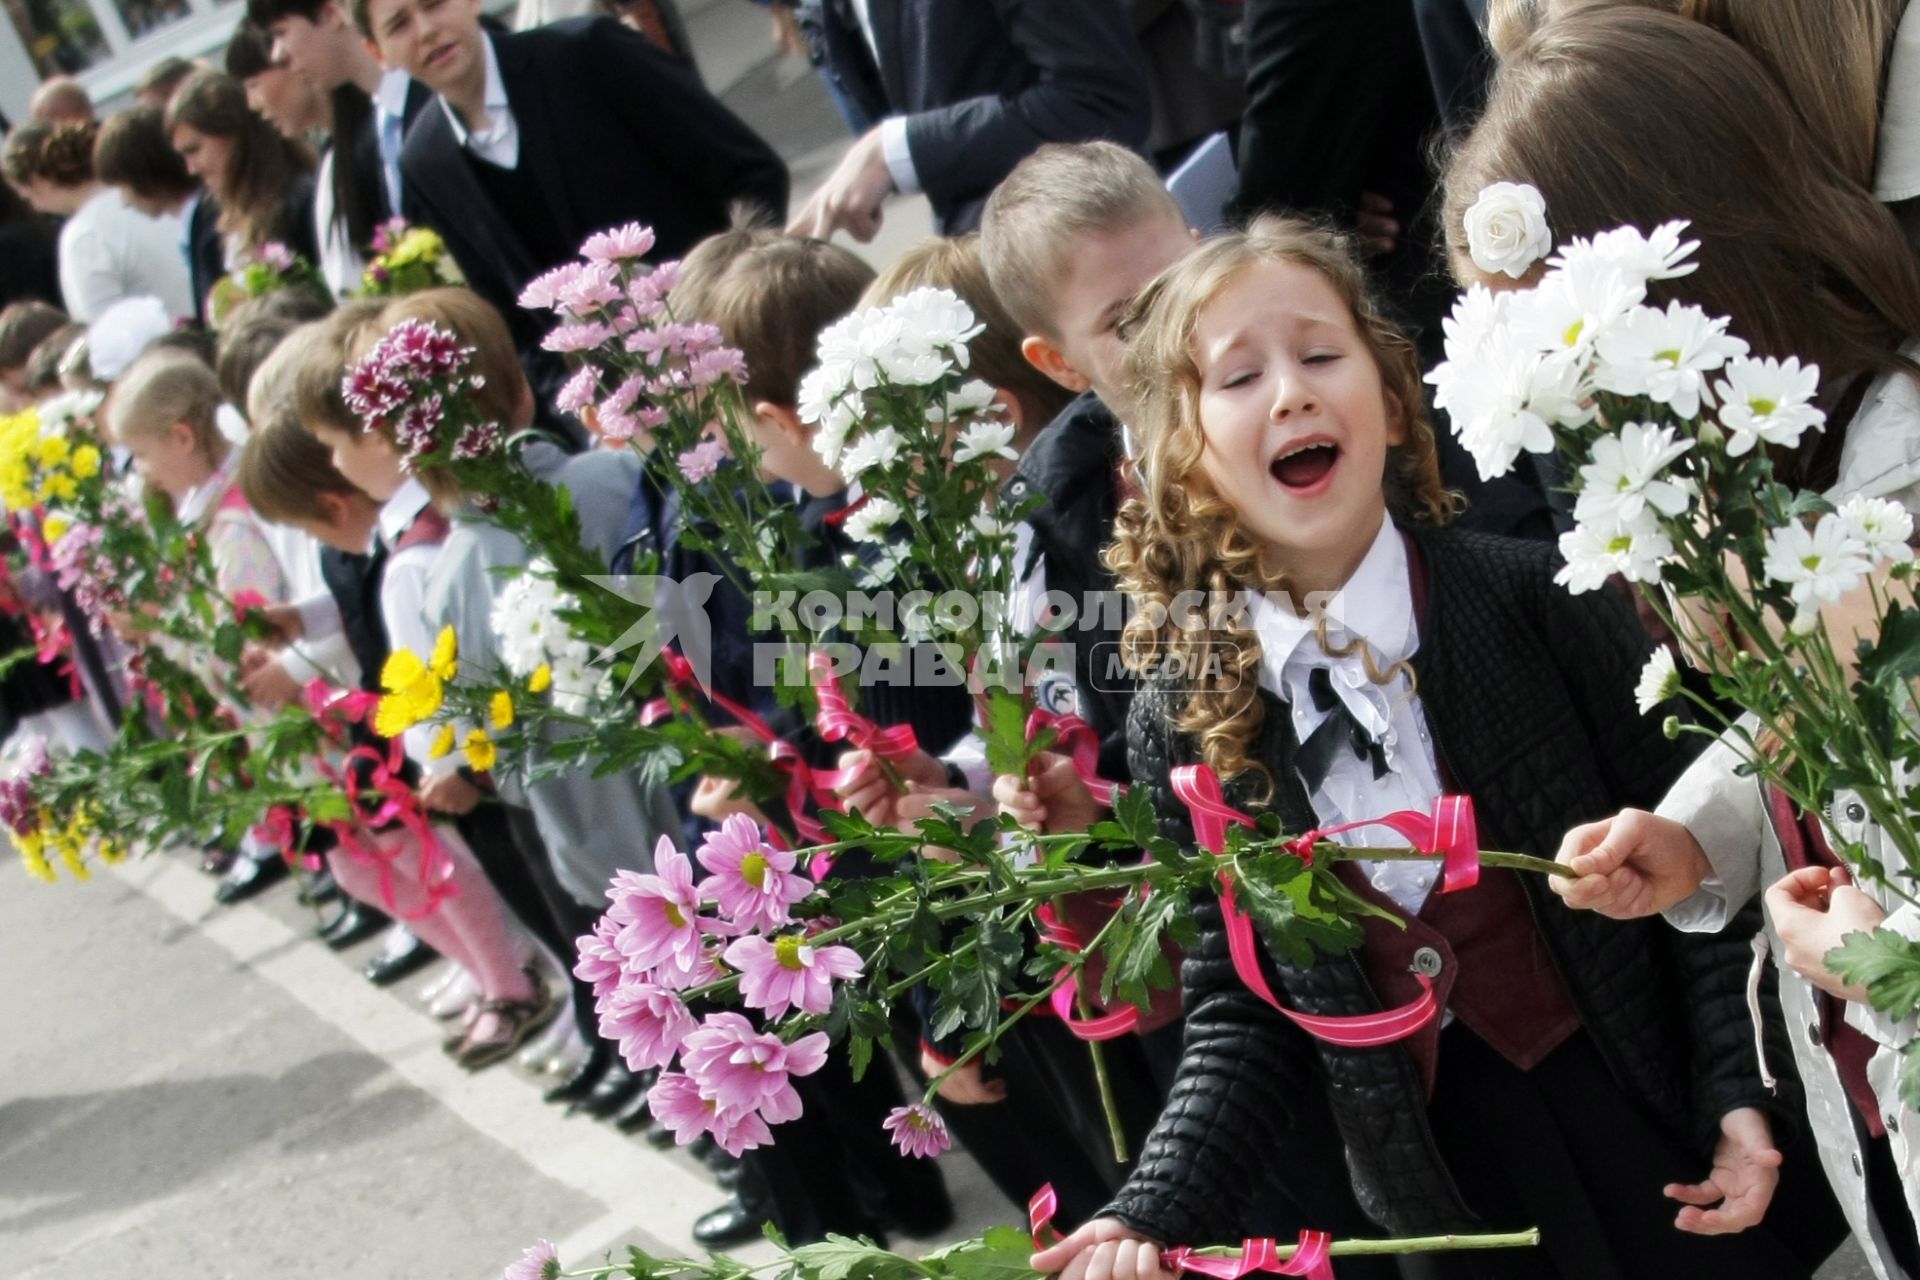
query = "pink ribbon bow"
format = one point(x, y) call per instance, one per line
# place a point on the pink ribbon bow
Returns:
point(1109, 1026)
point(1449, 832)
point(1310, 1258)
point(837, 721)
point(1076, 738)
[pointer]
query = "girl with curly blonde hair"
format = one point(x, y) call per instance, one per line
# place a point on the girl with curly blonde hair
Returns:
point(1309, 627)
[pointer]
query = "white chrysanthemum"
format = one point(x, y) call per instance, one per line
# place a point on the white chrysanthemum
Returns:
point(1573, 306)
point(577, 682)
point(859, 345)
point(984, 439)
point(935, 319)
point(1768, 401)
point(1506, 402)
point(59, 413)
point(1594, 554)
point(1624, 478)
point(987, 525)
point(1507, 229)
point(526, 619)
point(970, 400)
point(1659, 681)
point(873, 521)
point(1665, 355)
point(875, 449)
point(1881, 525)
point(1476, 326)
point(1660, 256)
point(826, 401)
point(908, 368)
point(1817, 566)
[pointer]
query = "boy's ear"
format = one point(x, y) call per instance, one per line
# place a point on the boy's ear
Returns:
point(183, 435)
point(785, 418)
point(1047, 358)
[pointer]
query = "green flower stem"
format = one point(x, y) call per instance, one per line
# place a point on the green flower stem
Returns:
point(1109, 1105)
point(1406, 1244)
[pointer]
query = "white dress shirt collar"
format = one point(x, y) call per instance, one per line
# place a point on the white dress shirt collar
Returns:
point(499, 142)
point(205, 496)
point(398, 513)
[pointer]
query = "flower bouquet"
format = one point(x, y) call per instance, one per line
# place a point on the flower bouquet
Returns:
point(407, 259)
point(1798, 609)
point(274, 269)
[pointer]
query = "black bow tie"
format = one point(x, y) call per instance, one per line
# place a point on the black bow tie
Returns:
point(1341, 730)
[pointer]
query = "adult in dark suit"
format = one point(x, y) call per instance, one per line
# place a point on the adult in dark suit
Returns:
point(964, 90)
point(28, 258)
point(545, 137)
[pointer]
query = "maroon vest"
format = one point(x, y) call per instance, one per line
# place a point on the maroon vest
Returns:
point(1803, 842)
point(429, 529)
point(1481, 947)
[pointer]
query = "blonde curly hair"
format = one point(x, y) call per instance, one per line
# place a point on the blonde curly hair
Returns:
point(1177, 535)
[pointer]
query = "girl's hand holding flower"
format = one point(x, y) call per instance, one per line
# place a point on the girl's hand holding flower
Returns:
point(868, 791)
point(966, 1085)
point(1812, 910)
point(1104, 1249)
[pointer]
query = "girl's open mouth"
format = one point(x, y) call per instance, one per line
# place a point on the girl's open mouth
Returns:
point(1305, 466)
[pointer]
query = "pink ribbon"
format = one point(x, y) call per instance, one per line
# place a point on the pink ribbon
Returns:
point(837, 721)
point(1310, 1257)
point(1199, 788)
point(1076, 738)
point(1111, 1026)
point(1450, 832)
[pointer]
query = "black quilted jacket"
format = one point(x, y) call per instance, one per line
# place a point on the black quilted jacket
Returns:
point(1529, 693)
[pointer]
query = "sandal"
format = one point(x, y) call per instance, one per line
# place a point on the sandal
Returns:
point(515, 1021)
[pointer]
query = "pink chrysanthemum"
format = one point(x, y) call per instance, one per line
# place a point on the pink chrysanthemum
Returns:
point(619, 243)
point(579, 390)
point(649, 1021)
point(600, 962)
point(917, 1130)
point(595, 288)
point(657, 916)
point(700, 462)
point(745, 1070)
point(789, 973)
point(752, 881)
point(649, 291)
point(544, 291)
point(577, 337)
point(541, 1261)
point(675, 1101)
point(477, 440)
point(710, 367)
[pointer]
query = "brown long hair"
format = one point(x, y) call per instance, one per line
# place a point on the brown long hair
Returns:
point(1626, 116)
point(1178, 535)
point(263, 166)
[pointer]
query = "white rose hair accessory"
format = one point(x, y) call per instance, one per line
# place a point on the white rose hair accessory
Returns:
point(1507, 229)
point(119, 334)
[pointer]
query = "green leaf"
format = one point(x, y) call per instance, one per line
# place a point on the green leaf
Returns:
point(228, 641)
point(859, 1055)
point(842, 1258)
point(1000, 1254)
point(1892, 658)
point(1006, 734)
point(1886, 964)
point(1293, 912)
point(1910, 1075)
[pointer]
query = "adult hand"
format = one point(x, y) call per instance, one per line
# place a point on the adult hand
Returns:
point(966, 1084)
point(1374, 222)
point(449, 792)
point(1104, 1249)
point(1631, 865)
point(851, 196)
point(269, 684)
point(1812, 910)
point(1746, 1169)
point(1052, 799)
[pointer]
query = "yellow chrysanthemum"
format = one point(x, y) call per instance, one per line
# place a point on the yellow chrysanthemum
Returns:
point(500, 710)
point(412, 693)
point(112, 851)
point(445, 662)
point(55, 528)
point(58, 487)
point(52, 450)
point(442, 744)
point(85, 463)
point(70, 858)
point(480, 751)
point(542, 679)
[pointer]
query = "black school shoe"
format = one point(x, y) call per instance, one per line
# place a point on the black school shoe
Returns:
point(248, 877)
point(402, 956)
point(354, 925)
point(735, 1222)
